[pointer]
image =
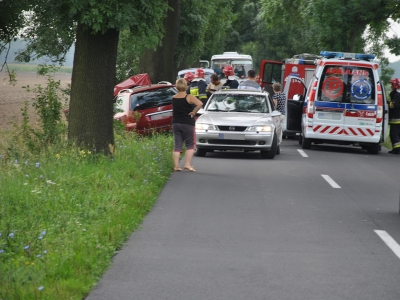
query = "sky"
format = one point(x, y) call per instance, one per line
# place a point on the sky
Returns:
point(394, 28)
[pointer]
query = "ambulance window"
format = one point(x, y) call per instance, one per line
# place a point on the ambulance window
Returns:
point(347, 84)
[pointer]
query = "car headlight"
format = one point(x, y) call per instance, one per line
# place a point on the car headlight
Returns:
point(259, 128)
point(203, 126)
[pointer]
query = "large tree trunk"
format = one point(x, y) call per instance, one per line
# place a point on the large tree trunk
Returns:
point(90, 115)
point(160, 64)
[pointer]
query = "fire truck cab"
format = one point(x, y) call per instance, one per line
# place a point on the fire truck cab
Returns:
point(345, 103)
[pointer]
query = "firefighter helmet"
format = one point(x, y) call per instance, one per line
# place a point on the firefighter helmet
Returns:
point(395, 83)
point(228, 71)
point(189, 76)
point(199, 73)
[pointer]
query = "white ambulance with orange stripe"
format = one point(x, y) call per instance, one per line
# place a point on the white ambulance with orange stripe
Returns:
point(345, 103)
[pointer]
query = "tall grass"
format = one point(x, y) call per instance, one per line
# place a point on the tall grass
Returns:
point(65, 212)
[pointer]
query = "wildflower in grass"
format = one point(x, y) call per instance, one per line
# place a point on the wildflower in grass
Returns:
point(1, 251)
point(43, 232)
point(40, 288)
point(1, 156)
point(27, 263)
point(26, 175)
point(45, 251)
point(26, 162)
point(26, 247)
point(40, 237)
point(58, 156)
point(11, 235)
point(37, 165)
point(39, 256)
point(50, 182)
point(144, 181)
point(52, 172)
point(41, 176)
point(0, 233)
point(16, 161)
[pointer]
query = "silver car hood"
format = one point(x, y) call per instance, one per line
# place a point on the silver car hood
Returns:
point(234, 118)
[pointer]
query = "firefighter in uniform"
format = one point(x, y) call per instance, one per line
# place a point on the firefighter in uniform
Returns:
point(198, 86)
point(394, 116)
point(231, 80)
point(189, 76)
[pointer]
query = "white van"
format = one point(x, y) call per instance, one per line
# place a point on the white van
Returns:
point(345, 103)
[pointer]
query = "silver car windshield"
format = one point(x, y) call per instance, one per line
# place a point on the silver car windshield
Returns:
point(238, 103)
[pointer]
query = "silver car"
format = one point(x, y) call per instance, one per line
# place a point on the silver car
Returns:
point(242, 120)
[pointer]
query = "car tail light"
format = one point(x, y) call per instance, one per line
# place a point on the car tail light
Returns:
point(311, 99)
point(379, 114)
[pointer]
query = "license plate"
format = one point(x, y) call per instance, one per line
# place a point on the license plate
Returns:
point(161, 116)
point(231, 136)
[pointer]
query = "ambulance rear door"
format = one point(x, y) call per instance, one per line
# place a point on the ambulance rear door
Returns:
point(361, 107)
point(270, 72)
point(294, 104)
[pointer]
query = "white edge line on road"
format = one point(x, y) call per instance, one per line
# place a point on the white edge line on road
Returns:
point(331, 181)
point(302, 153)
point(389, 241)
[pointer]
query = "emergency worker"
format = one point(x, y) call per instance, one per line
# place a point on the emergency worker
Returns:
point(198, 86)
point(394, 116)
point(189, 76)
point(231, 80)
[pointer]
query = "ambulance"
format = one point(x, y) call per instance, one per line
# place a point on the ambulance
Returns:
point(344, 103)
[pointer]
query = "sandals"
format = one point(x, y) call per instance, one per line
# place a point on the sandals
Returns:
point(191, 169)
point(178, 169)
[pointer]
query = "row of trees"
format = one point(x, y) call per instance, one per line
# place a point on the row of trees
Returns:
point(118, 38)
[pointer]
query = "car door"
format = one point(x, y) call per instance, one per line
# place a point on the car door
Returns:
point(294, 106)
point(360, 97)
point(154, 109)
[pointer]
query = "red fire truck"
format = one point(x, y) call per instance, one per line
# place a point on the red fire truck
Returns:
point(300, 65)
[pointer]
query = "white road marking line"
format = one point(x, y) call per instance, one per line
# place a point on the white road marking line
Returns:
point(331, 181)
point(302, 153)
point(389, 241)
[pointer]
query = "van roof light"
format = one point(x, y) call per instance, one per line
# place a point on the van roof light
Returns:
point(332, 54)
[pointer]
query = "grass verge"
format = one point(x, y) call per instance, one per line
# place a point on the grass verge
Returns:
point(64, 215)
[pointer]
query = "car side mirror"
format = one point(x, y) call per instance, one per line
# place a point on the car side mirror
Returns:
point(275, 113)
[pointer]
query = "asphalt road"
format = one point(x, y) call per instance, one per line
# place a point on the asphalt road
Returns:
point(315, 224)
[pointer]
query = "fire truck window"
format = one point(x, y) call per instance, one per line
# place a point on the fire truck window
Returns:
point(347, 84)
point(272, 73)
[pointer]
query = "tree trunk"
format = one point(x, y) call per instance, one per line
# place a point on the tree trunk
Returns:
point(90, 115)
point(160, 64)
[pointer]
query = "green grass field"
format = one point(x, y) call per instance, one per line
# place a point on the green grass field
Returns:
point(64, 214)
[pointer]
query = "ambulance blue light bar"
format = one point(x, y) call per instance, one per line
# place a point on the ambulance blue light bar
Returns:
point(332, 54)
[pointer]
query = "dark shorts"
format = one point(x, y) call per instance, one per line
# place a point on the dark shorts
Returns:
point(183, 133)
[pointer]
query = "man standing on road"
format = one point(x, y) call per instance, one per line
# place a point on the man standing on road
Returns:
point(394, 116)
point(251, 82)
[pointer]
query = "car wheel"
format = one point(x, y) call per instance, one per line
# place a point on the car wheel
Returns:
point(272, 152)
point(305, 142)
point(200, 152)
point(374, 148)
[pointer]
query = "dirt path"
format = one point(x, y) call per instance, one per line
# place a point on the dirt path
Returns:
point(12, 98)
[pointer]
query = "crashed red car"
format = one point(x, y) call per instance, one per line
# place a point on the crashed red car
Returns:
point(145, 109)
